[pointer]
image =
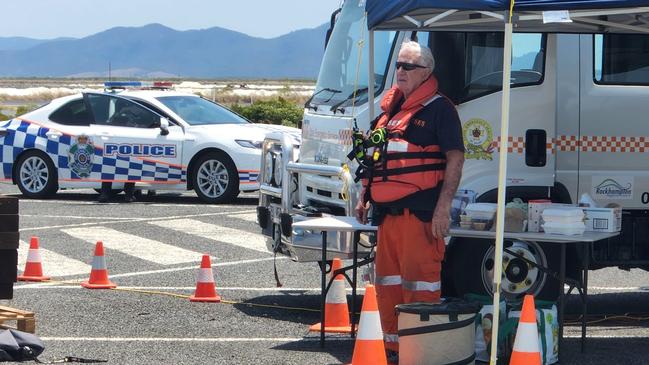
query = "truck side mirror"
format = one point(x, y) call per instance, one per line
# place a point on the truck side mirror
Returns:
point(332, 22)
point(164, 126)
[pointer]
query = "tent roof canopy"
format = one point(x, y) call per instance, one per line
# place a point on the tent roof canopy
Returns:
point(588, 16)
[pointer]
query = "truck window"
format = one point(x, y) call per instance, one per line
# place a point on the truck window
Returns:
point(469, 65)
point(621, 59)
point(343, 72)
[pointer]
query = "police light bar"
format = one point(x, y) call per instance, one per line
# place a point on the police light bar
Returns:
point(112, 85)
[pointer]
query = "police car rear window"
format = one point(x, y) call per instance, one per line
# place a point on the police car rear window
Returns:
point(198, 111)
point(72, 113)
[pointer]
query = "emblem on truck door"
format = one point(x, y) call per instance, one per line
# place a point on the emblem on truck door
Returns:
point(478, 139)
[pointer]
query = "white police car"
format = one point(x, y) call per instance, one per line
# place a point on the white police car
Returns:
point(159, 139)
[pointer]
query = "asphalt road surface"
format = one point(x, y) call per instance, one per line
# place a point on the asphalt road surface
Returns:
point(153, 250)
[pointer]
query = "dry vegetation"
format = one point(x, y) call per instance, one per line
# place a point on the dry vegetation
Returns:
point(18, 96)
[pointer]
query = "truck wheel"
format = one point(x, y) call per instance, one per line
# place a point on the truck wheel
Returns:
point(469, 268)
point(36, 175)
point(216, 179)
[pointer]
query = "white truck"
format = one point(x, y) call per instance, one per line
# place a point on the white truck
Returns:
point(579, 124)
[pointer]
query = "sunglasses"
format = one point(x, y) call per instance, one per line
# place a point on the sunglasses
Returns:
point(408, 66)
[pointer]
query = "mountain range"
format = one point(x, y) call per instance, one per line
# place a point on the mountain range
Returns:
point(156, 51)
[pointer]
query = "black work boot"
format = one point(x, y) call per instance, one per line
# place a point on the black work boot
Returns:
point(104, 195)
point(129, 197)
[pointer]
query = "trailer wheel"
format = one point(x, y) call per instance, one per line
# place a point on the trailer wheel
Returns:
point(469, 268)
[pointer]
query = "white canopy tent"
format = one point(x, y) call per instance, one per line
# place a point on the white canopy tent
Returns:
point(539, 16)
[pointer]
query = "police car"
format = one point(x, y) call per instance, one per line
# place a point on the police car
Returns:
point(158, 138)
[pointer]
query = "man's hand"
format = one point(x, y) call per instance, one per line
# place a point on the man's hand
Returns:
point(361, 211)
point(441, 222)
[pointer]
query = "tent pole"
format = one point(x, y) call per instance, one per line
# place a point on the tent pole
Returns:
point(502, 182)
point(370, 85)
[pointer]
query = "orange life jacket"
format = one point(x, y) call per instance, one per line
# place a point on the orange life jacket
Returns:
point(405, 168)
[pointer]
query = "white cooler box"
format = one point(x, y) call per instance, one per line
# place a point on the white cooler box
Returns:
point(437, 334)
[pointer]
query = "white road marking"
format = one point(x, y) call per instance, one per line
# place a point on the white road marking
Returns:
point(196, 339)
point(74, 217)
point(219, 288)
point(249, 217)
point(143, 248)
point(253, 241)
point(53, 264)
point(131, 220)
point(195, 267)
point(626, 335)
point(619, 289)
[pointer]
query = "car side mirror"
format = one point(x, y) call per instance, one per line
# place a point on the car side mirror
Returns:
point(164, 126)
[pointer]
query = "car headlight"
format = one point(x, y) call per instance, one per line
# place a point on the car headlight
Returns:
point(248, 143)
point(268, 167)
point(278, 169)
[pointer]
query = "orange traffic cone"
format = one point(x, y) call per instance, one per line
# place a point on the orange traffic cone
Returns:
point(526, 345)
point(99, 273)
point(33, 268)
point(336, 310)
point(369, 348)
point(205, 287)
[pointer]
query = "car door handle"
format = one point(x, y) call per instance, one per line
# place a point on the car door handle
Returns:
point(53, 134)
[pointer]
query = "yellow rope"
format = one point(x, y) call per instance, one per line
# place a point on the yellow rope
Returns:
point(183, 296)
point(361, 42)
point(511, 10)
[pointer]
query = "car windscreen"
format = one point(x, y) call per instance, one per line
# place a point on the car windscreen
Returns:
point(198, 111)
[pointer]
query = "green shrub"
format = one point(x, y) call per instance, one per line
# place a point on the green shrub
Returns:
point(276, 111)
point(23, 109)
point(4, 117)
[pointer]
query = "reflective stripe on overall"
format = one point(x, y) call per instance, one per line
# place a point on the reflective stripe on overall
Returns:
point(408, 266)
point(408, 258)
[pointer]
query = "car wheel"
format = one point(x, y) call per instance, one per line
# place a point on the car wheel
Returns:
point(215, 178)
point(36, 175)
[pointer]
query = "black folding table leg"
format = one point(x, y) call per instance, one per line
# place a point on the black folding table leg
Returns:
point(357, 238)
point(562, 283)
point(584, 308)
point(323, 295)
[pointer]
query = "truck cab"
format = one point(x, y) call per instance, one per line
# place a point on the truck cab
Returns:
point(578, 125)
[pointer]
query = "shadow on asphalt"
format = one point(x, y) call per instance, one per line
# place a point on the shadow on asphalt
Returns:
point(159, 198)
point(606, 351)
point(341, 347)
point(296, 307)
point(611, 303)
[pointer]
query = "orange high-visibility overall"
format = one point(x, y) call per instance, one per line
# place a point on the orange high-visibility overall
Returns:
point(408, 258)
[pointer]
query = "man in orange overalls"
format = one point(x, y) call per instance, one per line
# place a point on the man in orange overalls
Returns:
point(411, 187)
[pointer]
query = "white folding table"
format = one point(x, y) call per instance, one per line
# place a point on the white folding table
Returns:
point(337, 224)
point(586, 240)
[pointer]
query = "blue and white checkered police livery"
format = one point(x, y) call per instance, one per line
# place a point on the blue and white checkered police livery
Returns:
point(158, 139)
point(23, 135)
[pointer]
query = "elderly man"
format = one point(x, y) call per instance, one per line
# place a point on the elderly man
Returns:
point(411, 187)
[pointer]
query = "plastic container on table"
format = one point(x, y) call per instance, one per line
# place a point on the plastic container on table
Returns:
point(570, 229)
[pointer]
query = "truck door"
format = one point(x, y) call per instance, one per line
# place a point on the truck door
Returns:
point(469, 70)
point(614, 136)
point(134, 147)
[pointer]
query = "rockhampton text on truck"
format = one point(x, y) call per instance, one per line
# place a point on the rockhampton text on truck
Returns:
point(579, 124)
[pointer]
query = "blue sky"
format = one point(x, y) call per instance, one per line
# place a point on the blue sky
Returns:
point(47, 19)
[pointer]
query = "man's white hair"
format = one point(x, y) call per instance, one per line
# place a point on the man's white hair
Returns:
point(424, 53)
